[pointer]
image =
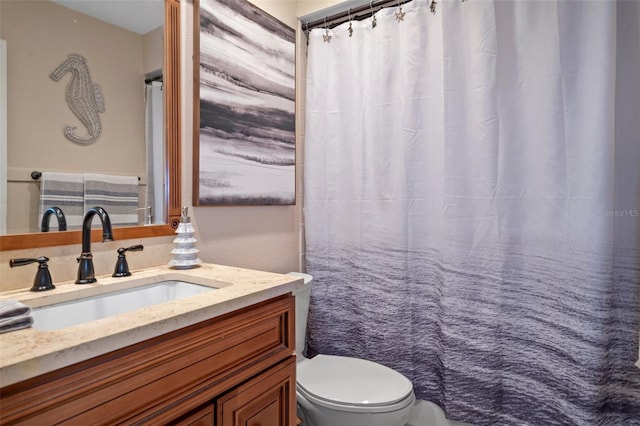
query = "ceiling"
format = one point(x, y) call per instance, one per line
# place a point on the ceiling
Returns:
point(139, 16)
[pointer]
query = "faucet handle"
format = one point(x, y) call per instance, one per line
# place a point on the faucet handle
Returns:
point(122, 267)
point(43, 280)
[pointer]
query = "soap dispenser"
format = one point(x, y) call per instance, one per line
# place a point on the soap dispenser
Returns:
point(148, 217)
point(185, 254)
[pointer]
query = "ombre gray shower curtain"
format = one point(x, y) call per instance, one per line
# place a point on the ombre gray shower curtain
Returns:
point(472, 205)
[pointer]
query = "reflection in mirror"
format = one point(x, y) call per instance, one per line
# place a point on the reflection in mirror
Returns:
point(77, 103)
point(114, 152)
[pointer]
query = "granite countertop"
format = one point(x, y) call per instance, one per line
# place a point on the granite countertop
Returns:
point(30, 352)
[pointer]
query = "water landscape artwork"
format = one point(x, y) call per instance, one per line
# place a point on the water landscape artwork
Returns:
point(245, 150)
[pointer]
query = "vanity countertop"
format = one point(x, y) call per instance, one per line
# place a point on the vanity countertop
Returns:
point(30, 352)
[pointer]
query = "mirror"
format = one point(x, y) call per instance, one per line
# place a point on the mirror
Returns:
point(171, 80)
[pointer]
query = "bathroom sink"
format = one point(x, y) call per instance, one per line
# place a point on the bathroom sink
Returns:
point(74, 312)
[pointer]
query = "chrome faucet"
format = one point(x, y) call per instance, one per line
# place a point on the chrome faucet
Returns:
point(46, 217)
point(86, 274)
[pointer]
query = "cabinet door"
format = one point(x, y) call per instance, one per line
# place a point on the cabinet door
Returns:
point(268, 399)
point(200, 417)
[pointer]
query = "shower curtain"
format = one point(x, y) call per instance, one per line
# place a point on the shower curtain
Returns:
point(472, 204)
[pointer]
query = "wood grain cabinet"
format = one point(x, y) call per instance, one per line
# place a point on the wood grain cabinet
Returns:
point(265, 400)
point(238, 369)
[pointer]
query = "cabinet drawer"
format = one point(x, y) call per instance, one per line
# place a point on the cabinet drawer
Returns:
point(159, 378)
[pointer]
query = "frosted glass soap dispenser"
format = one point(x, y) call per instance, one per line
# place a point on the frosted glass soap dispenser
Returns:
point(185, 254)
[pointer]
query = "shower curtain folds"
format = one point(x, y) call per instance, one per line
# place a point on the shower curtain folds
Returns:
point(471, 178)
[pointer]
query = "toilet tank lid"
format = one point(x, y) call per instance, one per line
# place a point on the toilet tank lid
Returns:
point(352, 381)
point(307, 278)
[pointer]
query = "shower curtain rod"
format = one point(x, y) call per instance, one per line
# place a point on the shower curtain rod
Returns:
point(357, 14)
point(152, 79)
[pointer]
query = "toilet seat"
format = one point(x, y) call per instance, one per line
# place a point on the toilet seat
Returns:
point(353, 384)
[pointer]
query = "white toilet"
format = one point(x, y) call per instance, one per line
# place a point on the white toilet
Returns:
point(344, 391)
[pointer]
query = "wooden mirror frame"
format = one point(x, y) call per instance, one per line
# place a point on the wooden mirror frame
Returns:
point(171, 89)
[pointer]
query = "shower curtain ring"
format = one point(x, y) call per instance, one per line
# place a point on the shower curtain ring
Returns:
point(326, 37)
point(350, 29)
point(373, 21)
point(399, 14)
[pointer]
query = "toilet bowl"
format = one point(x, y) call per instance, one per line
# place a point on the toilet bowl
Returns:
point(345, 391)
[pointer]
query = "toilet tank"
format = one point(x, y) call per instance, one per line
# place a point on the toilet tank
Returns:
point(303, 297)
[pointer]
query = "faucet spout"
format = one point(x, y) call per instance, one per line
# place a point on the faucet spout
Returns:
point(86, 274)
point(59, 215)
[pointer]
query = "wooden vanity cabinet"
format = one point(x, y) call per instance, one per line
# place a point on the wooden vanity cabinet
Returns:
point(237, 369)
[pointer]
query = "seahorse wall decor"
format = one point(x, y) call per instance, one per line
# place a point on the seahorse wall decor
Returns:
point(83, 97)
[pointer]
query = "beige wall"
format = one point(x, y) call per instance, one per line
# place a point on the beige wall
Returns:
point(269, 238)
point(152, 46)
point(40, 35)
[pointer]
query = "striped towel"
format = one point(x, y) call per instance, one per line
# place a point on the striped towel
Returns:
point(118, 195)
point(63, 190)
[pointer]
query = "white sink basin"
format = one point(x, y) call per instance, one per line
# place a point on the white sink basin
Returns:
point(74, 312)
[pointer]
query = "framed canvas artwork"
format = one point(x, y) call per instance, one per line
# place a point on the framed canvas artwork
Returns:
point(244, 143)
